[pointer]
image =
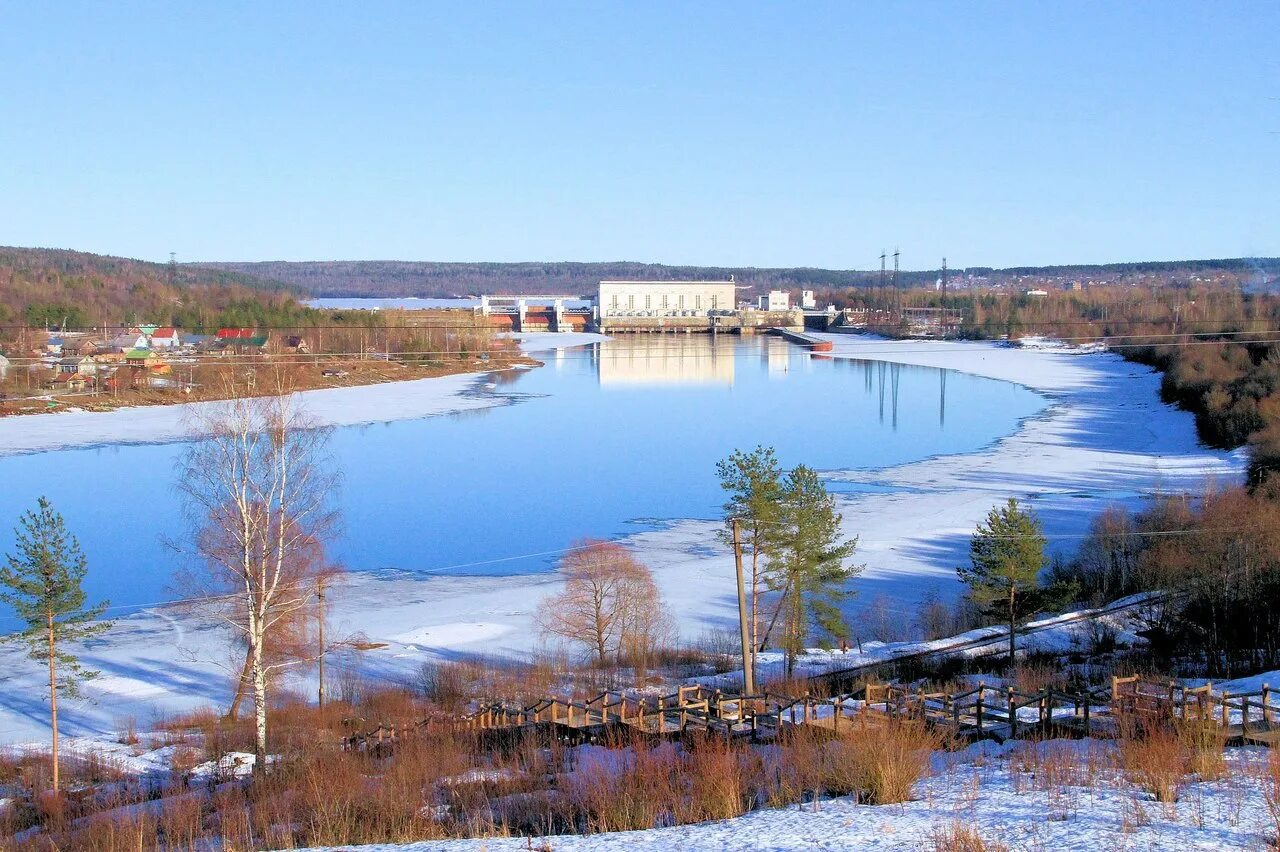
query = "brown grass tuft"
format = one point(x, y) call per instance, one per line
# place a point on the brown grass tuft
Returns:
point(1154, 758)
point(959, 837)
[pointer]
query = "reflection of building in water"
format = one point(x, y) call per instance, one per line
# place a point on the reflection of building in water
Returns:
point(777, 356)
point(665, 360)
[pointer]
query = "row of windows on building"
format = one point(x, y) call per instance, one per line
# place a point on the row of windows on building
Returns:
point(679, 306)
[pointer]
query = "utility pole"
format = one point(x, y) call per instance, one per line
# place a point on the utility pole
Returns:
point(942, 317)
point(748, 653)
point(320, 631)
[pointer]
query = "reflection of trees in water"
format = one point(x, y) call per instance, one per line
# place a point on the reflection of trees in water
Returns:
point(469, 413)
point(505, 377)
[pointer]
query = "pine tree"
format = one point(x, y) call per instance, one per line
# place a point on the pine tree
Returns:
point(43, 583)
point(754, 483)
point(806, 563)
point(1006, 555)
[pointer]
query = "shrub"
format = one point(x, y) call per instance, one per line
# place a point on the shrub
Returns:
point(1203, 741)
point(890, 758)
point(1154, 758)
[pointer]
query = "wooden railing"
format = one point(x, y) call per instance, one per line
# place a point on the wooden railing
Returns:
point(1246, 714)
point(984, 711)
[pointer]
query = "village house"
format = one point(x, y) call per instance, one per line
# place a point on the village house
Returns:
point(241, 339)
point(164, 338)
point(80, 346)
point(70, 382)
point(198, 342)
point(129, 340)
point(144, 360)
point(74, 364)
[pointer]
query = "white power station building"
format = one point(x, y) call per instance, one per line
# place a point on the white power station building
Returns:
point(665, 298)
point(777, 300)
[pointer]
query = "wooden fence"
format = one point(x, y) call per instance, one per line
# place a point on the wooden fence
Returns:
point(1251, 715)
point(1000, 712)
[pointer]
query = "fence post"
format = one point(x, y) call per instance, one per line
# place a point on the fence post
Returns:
point(1013, 716)
point(1226, 711)
point(1266, 705)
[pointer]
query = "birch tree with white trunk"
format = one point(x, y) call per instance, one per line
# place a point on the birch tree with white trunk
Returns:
point(258, 483)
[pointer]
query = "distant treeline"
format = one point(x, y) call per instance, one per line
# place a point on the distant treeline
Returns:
point(441, 280)
point(376, 278)
point(55, 288)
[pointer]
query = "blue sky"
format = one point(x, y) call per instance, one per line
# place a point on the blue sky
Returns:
point(766, 134)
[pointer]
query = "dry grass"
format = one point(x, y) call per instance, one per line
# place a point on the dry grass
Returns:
point(469, 785)
point(1271, 793)
point(1203, 741)
point(959, 837)
point(888, 759)
point(459, 785)
point(1055, 765)
point(1155, 759)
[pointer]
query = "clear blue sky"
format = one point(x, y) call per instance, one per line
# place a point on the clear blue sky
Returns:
point(730, 133)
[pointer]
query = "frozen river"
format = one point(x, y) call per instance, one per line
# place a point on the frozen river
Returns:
point(601, 441)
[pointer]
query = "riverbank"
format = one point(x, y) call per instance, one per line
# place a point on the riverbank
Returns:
point(382, 401)
point(1105, 437)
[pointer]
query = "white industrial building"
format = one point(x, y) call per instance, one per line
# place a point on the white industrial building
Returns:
point(777, 300)
point(665, 298)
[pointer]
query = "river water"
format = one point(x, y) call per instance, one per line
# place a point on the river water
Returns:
point(601, 441)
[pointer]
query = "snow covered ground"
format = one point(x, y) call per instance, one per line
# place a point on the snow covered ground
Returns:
point(1064, 633)
point(994, 790)
point(1105, 438)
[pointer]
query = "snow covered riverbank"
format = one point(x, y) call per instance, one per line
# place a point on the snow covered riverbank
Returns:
point(1106, 437)
point(340, 406)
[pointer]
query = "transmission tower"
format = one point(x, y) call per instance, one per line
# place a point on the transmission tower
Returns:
point(897, 293)
point(173, 267)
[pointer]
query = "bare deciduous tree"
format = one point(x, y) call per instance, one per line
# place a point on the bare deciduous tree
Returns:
point(258, 483)
point(609, 606)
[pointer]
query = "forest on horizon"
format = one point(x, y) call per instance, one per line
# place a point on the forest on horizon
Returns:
point(428, 279)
